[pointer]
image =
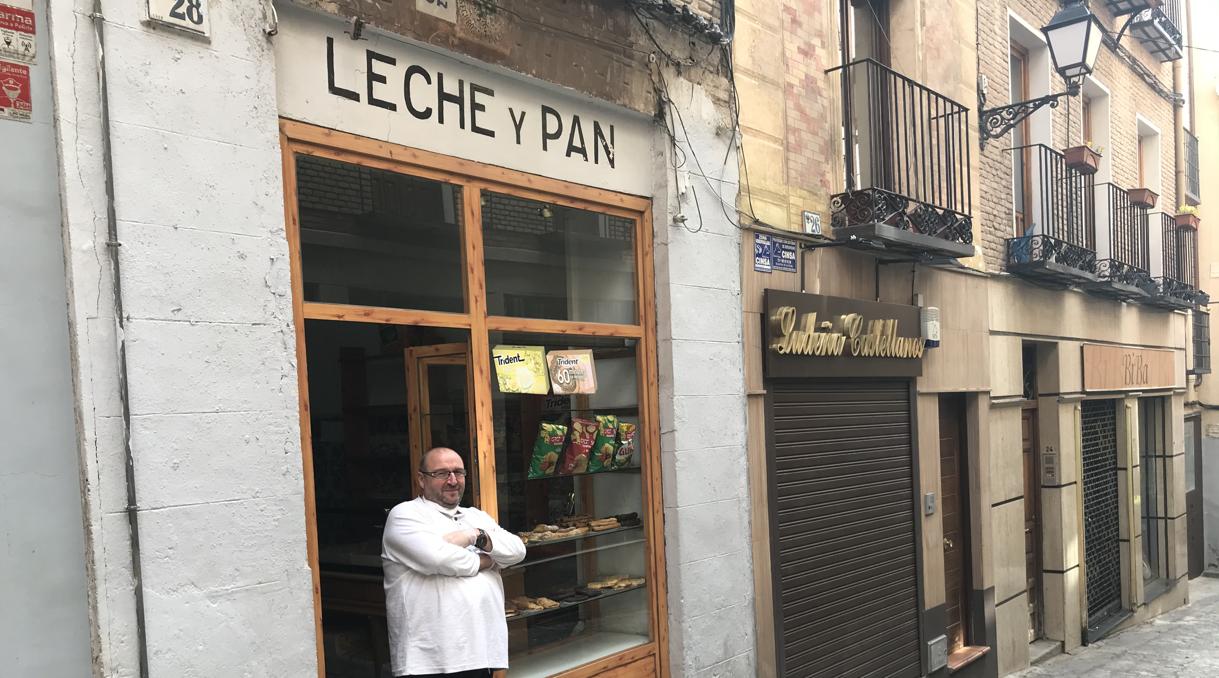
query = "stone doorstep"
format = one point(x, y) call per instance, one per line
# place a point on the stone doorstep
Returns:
point(1042, 649)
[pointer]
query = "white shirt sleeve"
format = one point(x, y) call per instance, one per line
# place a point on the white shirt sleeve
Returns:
point(409, 540)
point(506, 548)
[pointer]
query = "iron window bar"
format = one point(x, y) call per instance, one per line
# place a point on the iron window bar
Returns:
point(1060, 229)
point(1128, 253)
point(906, 155)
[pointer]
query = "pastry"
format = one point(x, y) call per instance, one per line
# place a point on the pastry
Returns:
point(546, 603)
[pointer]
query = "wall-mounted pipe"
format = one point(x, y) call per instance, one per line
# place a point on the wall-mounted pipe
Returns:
point(112, 248)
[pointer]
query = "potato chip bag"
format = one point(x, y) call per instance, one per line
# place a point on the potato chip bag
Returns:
point(575, 456)
point(627, 433)
point(605, 445)
point(546, 450)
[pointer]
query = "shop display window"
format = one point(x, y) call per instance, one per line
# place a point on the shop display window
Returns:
point(371, 237)
point(568, 475)
point(548, 261)
point(439, 309)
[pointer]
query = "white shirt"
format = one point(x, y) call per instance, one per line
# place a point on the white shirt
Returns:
point(444, 615)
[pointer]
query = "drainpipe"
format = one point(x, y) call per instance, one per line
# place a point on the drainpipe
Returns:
point(112, 248)
point(1178, 127)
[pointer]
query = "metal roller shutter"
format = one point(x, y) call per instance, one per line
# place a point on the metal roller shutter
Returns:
point(844, 545)
point(1102, 551)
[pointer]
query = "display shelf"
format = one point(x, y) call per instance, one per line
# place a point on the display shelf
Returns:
point(587, 535)
point(571, 653)
point(609, 593)
point(579, 552)
point(517, 477)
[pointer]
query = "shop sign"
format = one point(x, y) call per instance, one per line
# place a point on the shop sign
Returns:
point(17, 34)
point(15, 101)
point(810, 335)
point(387, 88)
point(1119, 368)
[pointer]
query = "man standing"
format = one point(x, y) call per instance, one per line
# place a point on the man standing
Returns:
point(443, 594)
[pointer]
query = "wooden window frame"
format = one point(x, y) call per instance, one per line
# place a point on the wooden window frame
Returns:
point(1026, 156)
point(472, 177)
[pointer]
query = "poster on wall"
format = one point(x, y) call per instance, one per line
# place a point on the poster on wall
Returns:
point(15, 102)
point(17, 33)
point(572, 371)
point(521, 369)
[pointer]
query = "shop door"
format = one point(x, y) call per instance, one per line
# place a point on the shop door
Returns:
point(1193, 496)
point(1032, 520)
point(954, 512)
point(1102, 555)
point(843, 532)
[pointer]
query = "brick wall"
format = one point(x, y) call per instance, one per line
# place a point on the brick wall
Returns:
point(1129, 96)
point(593, 46)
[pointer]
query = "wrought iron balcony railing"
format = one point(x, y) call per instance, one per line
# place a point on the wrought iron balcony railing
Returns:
point(1123, 247)
point(1159, 28)
point(1175, 266)
point(1193, 178)
point(906, 158)
point(1059, 230)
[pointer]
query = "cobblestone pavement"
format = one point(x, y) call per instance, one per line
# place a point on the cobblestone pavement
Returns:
point(1182, 643)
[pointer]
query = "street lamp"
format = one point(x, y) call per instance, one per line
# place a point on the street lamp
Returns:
point(1074, 36)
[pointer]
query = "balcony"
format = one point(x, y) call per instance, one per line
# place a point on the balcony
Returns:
point(1159, 29)
point(1193, 179)
point(1122, 273)
point(1059, 241)
point(1177, 282)
point(1124, 7)
point(907, 167)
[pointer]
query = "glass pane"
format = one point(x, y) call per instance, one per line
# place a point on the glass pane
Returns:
point(558, 263)
point(1151, 442)
point(1191, 455)
point(580, 512)
point(362, 381)
point(371, 237)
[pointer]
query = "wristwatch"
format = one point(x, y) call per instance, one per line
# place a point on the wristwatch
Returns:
point(483, 539)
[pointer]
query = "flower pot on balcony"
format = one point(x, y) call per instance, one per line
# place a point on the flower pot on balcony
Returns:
point(1144, 197)
point(1082, 159)
point(1190, 221)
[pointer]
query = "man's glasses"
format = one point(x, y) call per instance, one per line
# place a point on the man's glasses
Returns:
point(459, 474)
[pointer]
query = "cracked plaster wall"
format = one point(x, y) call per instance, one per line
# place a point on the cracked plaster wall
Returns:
point(210, 344)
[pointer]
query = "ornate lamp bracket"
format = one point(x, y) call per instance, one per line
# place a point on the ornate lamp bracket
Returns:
point(995, 122)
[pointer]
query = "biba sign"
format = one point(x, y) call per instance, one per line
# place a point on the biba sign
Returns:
point(809, 335)
point(414, 95)
point(1118, 368)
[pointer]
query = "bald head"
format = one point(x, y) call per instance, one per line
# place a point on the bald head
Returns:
point(450, 485)
point(425, 463)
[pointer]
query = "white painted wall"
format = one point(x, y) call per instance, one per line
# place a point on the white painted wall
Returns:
point(702, 400)
point(44, 626)
point(210, 343)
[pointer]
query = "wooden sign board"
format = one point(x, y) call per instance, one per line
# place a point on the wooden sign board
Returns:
point(1118, 368)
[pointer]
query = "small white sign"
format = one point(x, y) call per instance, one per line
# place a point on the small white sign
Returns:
point(1212, 430)
point(443, 9)
point(812, 222)
point(187, 15)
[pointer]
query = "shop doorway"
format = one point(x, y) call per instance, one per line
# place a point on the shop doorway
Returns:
point(1032, 520)
point(1193, 496)
point(844, 541)
point(1102, 548)
point(954, 515)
